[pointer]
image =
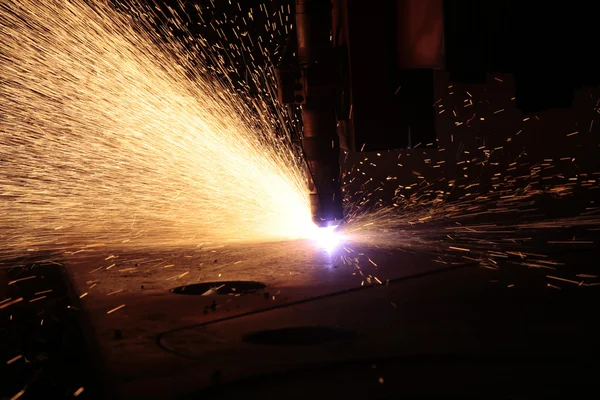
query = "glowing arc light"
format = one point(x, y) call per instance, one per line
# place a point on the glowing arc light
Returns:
point(327, 237)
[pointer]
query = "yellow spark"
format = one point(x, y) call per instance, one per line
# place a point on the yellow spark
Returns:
point(10, 303)
point(115, 309)
point(458, 248)
point(22, 279)
point(18, 395)
point(37, 298)
point(15, 358)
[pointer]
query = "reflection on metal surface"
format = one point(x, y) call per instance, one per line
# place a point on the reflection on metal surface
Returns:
point(220, 288)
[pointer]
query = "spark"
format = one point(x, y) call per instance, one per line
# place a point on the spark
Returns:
point(10, 303)
point(37, 298)
point(18, 395)
point(15, 358)
point(22, 279)
point(115, 130)
point(115, 309)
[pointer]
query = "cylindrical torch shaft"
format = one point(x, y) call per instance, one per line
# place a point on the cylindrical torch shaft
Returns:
point(316, 57)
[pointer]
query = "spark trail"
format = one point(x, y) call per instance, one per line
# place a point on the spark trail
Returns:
point(119, 131)
point(482, 200)
point(111, 134)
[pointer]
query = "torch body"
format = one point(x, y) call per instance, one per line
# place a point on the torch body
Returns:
point(320, 142)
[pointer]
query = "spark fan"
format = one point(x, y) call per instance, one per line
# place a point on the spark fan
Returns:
point(111, 134)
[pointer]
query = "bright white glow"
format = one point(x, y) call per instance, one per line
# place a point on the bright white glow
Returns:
point(326, 237)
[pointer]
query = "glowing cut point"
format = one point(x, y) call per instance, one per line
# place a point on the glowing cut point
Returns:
point(327, 237)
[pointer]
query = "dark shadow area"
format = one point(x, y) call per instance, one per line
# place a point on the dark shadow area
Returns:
point(298, 336)
point(43, 347)
point(496, 377)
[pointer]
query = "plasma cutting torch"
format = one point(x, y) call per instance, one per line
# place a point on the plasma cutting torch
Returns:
point(364, 72)
point(309, 80)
